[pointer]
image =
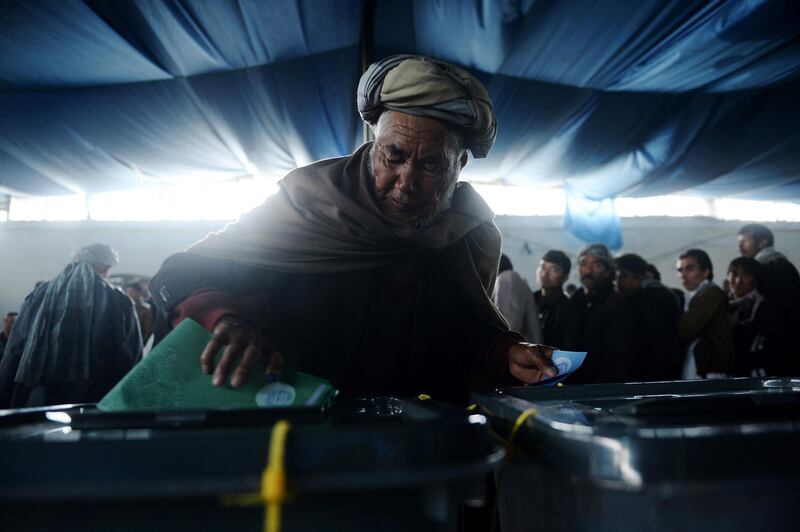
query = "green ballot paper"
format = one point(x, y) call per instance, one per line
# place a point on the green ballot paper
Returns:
point(170, 378)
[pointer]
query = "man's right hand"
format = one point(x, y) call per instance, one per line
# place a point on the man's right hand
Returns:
point(239, 338)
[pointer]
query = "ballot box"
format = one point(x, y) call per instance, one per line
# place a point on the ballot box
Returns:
point(379, 463)
point(688, 455)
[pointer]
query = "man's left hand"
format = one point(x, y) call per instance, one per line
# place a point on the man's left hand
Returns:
point(531, 363)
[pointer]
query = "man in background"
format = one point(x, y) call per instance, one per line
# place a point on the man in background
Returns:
point(605, 323)
point(658, 352)
point(780, 285)
point(75, 338)
point(514, 300)
point(8, 324)
point(704, 326)
point(753, 319)
point(139, 294)
point(559, 326)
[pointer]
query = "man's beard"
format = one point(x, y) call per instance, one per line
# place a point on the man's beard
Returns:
point(423, 221)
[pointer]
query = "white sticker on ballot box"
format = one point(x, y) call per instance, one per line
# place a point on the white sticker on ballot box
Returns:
point(275, 394)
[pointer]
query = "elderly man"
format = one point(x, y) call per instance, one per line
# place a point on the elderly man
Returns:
point(76, 336)
point(373, 270)
point(605, 323)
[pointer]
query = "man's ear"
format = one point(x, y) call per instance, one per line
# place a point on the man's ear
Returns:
point(462, 161)
point(761, 244)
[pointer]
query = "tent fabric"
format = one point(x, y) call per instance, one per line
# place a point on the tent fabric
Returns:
point(623, 98)
point(593, 221)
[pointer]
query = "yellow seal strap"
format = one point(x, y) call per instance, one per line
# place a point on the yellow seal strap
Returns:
point(273, 482)
point(521, 419)
point(509, 444)
point(423, 397)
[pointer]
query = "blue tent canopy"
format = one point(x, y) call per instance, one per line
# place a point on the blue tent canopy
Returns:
point(621, 98)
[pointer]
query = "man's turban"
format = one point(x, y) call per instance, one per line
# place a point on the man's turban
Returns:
point(425, 87)
point(600, 252)
point(97, 255)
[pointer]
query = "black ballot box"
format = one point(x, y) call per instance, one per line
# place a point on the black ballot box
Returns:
point(379, 463)
point(685, 455)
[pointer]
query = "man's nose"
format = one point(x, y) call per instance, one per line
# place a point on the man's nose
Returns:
point(407, 179)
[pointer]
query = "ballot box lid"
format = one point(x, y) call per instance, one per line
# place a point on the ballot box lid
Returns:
point(75, 452)
point(638, 434)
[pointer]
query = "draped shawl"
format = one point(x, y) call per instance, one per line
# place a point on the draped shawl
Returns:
point(70, 327)
point(325, 220)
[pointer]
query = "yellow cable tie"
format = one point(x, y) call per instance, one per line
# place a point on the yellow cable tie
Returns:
point(472, 407)
point(530, 412)
point(423, 397)
point(273, 479)
point(509, 442)
point(273, 482)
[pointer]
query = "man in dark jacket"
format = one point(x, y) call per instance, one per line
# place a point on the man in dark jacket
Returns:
point(557, 318)
point(604, 320)
point(780, 285)
point(753, 319)
point(658, 352)
point(704, 327)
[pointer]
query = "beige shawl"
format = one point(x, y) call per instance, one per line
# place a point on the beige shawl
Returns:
point(324, 220)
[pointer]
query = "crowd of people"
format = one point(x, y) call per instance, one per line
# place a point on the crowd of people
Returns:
point(634, 328)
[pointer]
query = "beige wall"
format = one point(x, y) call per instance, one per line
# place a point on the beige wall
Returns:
point(37, 251)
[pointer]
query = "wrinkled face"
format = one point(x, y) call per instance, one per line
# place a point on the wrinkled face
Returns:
point(551, 275)
point(690, 274)
point(742, 283)
point(415, 164)
point(628, 282)
point(748, 247)
point(8, 324)
point(593, 271)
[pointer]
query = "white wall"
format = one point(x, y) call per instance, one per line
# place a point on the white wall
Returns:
point(36, 251)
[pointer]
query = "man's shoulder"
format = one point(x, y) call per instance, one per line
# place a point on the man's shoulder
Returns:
point(321, 164)
point(656, 291)
point(325, 166)
point(505, 277)
point(779, 263)
point(616, 300)
point(115, 293)
point(709, 294)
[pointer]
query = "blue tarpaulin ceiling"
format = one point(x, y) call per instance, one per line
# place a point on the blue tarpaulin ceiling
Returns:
point(608, 98)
